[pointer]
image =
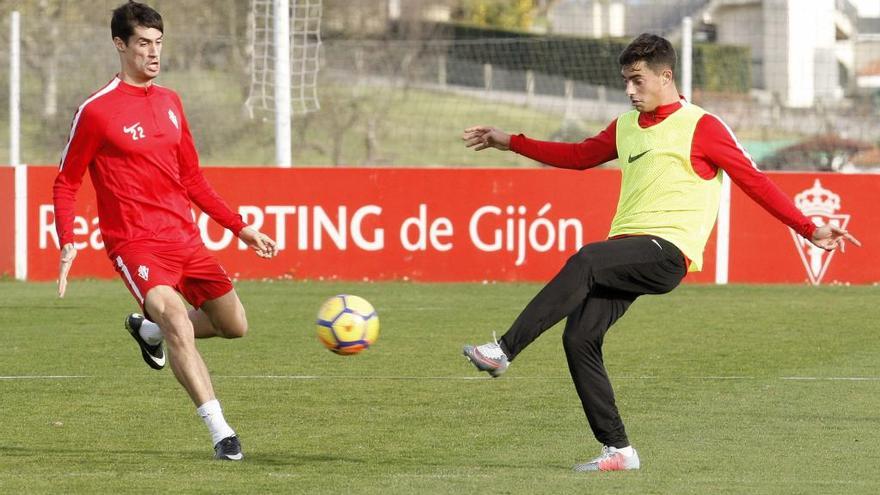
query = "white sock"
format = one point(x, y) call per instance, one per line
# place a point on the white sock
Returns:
point(150, 332)
point(627, 451)
point(213, 416)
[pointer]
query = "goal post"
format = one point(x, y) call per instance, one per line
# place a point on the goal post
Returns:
point(284, 86)
point(283, 112)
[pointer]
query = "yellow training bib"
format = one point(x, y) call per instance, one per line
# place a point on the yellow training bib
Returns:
point(660, 194)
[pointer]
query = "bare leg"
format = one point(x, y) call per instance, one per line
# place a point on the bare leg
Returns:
point(168, 311)
point(220, 317)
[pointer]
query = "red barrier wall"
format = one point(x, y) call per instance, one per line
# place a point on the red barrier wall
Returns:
point(7, 221)
point(763, 251)
point(457, 225)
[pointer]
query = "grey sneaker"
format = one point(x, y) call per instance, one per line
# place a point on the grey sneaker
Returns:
point(154, 355)
point(488, 357)
point(611, 459)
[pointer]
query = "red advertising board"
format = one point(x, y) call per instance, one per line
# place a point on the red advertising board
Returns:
point(7, 221)
point(374, 224)
point(461, 225)
point(762, 250)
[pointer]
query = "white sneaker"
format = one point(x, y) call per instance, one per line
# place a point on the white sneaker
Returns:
point(611, 459)
point(488, 357)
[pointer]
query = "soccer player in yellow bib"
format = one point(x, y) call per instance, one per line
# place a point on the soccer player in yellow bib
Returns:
point(671, 155)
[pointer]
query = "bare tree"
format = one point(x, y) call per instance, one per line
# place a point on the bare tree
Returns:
point(42, 48)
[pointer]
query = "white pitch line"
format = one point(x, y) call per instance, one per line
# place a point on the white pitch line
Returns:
point(565, 378)
point(43, 377)
point(481, 377)
point(347, 377)
point(833, 378)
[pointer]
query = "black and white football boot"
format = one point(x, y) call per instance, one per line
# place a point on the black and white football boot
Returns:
point(228, 449)
point(154, 355)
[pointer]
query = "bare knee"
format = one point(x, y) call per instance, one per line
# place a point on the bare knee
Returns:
point(175, 325)
point(227, 316)
point(233, 328)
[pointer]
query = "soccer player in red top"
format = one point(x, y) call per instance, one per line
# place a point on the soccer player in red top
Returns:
point(134, 139)
point(671, 156)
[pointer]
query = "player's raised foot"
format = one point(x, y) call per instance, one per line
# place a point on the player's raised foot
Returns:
point(154, 355)
point(611, 459)
point(228, 449)
point(487, 357)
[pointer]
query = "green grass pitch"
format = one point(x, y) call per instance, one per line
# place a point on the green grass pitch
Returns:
point(758, 390)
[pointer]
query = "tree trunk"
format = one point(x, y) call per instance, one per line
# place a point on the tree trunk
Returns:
point(49, 71)
point(50, 89)
point(372, 143)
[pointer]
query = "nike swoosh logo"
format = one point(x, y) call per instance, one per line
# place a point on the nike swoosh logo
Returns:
point(130, 129)
point(235, 457)
point(160, 362)
point(146, 348)
point(634, 158)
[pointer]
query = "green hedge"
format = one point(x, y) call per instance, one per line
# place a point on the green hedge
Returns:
point(723, 68)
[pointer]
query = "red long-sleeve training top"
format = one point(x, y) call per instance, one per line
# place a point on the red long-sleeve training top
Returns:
point(714, 147)
point(136, 144)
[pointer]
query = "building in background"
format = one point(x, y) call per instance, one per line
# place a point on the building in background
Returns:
point(596, 19)
point(867, 56)
point(394, 72)
point(800, 56)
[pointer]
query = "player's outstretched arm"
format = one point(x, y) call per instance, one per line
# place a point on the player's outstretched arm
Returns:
point(829, 237)
point(68, 253)
point(262, 244)
point(482, 137)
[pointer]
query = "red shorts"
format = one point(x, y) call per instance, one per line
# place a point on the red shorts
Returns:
point(192, 271)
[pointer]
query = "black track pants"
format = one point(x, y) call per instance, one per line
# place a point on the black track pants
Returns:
point(593, 290)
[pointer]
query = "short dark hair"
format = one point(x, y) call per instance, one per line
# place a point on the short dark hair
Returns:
point(132, 14)
point(656, 51)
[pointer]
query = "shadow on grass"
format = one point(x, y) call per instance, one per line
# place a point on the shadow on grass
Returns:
point(276, 459)
point(55, 451)
point(258, 458)
point(295, 459)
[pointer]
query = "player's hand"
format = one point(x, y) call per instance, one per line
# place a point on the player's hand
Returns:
point(262, 244)
point(829, 237)
point(481, 137)
point(68, 253)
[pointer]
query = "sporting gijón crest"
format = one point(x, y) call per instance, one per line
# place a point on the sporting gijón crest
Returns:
point(821, 206)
